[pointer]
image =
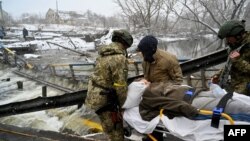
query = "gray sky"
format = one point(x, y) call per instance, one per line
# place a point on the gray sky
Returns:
point(17, 7)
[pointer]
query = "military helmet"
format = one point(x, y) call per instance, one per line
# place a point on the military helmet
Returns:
point(231, 28)
point(124, 36)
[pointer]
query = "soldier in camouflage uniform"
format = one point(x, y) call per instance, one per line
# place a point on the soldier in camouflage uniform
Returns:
point(110, 72)
point(236, 36)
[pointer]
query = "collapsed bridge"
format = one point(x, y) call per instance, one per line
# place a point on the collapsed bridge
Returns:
point(77, 97)
point(71, 97)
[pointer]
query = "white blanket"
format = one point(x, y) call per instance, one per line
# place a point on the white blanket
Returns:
point(181, 127)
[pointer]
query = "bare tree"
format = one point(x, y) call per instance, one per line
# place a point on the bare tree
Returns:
point(237, 8)
point(167, 7)
point(209, 13)
point(144, 12)
point(30, 18)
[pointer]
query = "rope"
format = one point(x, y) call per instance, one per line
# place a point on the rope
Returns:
point(152, 137)
point(149, 135)
point(161, 113)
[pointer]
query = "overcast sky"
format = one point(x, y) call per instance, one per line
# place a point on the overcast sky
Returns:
point(17, 7)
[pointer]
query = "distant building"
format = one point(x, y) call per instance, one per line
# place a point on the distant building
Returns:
point(65, 17)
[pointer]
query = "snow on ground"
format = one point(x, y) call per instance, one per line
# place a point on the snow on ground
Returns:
point(47, 34)
point(27, 56)
point(61, 35)
point(72, 43)
point(22, 44)
point(54, 34)
point(45, 27)
point(106, 39)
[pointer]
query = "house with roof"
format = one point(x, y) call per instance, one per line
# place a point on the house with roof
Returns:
point(66, 17)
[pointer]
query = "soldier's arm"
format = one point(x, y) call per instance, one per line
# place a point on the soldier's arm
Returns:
point(243, 64)
point(119, 74)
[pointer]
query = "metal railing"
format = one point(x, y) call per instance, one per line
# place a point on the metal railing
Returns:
point(80, 71)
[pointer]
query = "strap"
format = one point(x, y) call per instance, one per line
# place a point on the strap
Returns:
point(216, 117)
point(248, 89)
point(104, 108)
point(220, 109)
point(189, 94)
point(223, 102)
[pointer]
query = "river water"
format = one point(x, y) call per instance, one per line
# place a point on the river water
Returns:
point(69, 119)
point(66, 119)
point(191, 47)
point(9, 93)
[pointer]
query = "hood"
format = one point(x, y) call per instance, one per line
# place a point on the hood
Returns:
point(111, 49)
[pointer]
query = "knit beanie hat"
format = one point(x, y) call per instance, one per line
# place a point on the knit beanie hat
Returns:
point(148, 46)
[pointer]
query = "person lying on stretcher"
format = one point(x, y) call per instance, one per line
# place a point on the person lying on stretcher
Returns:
point(179, 100)
point(181, 109)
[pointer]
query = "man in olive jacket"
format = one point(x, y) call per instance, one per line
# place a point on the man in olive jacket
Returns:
point(159, 65)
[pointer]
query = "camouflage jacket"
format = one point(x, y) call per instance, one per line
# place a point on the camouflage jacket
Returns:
point(240, 71)
point(111, 68)
point(165, 68)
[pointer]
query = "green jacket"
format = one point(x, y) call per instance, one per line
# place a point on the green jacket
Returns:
point(111, 68)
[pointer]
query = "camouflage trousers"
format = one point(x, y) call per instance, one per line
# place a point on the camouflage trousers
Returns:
point(115, 132)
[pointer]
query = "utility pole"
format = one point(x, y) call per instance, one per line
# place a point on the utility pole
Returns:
point(56, 7)
point(57, 13)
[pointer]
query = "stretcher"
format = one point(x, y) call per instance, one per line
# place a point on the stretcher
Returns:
point(182, 128)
